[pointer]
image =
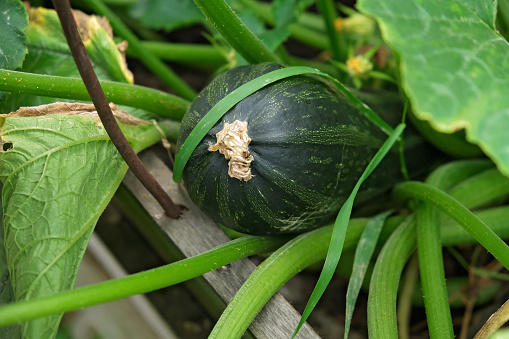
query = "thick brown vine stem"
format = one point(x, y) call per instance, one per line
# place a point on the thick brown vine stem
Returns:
point(96, 93)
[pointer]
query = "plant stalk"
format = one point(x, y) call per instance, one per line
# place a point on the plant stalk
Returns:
point(138, 283)
point(98, 97)
point(454, 209)
point(153, 63)
point(233, 30)
point(158, 102)
point(328, 10)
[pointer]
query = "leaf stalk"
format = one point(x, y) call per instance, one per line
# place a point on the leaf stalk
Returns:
point(98, 97)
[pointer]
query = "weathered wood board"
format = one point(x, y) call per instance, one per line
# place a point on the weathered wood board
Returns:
point(195, 233)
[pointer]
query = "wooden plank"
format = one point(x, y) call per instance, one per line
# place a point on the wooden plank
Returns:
point(195, 233)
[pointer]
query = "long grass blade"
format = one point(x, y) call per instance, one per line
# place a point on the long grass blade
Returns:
point(363, 253)
point(340, 226)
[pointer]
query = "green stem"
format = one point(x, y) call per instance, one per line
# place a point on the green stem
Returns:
point(453, 234)
point(273, 273)
point(233, 30)
point(431, 268)
point(158, 102)
point(328, 10)
point(152, 62)
point(204, 56)
point(454, 209)
point(383, 289)
point(475, 270)
point(434, 287)
point(409, 281)
point(486, 185)
point(166, 249)
point(300, 32)
point(267, 279)
point(143, 282)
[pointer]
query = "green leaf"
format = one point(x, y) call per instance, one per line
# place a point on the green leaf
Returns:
point(285, 12)
point(6, 291)
point(166, 14)
point(12, 40)
point(59, 172)
point(454, 66)
point(13, 20)
point(49, 54)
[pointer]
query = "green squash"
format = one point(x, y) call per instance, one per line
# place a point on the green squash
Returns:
point(306, 147)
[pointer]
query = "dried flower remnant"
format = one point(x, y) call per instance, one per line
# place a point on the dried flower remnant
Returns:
point(233, 143)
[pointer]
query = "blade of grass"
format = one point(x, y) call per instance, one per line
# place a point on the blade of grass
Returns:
point(230, 100)
point(363, 253)
point(340, 227)
point(158, 67)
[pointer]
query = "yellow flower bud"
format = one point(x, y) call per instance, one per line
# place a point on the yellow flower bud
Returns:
point(356, 23)
point(359, 66)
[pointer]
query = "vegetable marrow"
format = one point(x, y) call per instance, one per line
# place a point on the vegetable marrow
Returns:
point(284, 159)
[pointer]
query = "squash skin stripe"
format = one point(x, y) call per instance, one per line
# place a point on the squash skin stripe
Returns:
point(303, 169)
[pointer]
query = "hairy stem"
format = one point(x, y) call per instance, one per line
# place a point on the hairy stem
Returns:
point(155, 101)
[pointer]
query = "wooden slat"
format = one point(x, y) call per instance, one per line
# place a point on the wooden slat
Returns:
point(195, 233)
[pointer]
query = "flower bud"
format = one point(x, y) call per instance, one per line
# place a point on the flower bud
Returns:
point(355, 23)
point(359, 66)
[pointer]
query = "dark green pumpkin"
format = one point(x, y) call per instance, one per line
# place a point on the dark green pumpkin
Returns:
point(309, 146)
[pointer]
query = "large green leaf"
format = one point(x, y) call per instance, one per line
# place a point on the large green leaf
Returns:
point(12, 52)
point(59, 171)
point(12, 40)
point(6, 291)
point(48, 52)
point(454, 66)
point(13, 47)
